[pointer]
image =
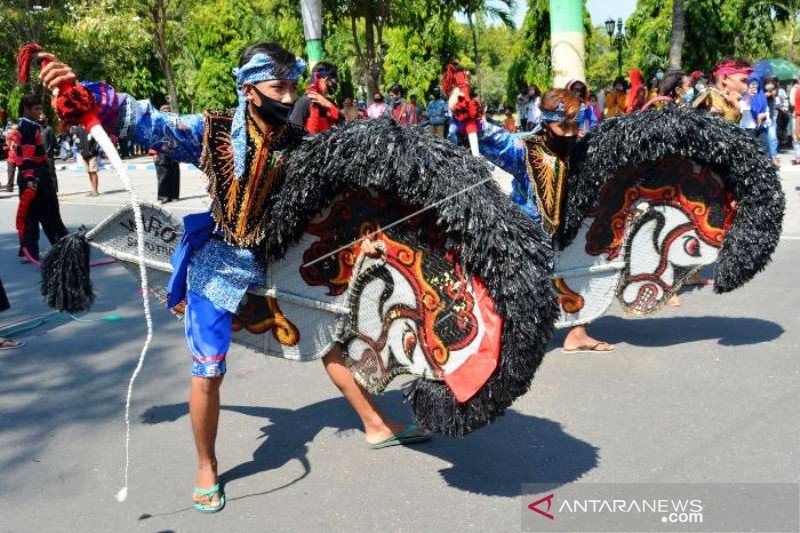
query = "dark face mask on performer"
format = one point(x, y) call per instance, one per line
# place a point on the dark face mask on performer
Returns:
point(560, 139)
point(272, 111)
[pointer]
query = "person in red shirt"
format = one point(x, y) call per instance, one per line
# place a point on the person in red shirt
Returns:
point(38, 203)
point(796, 122)
point(637, 93)
point(400, 110)
point(316, 111)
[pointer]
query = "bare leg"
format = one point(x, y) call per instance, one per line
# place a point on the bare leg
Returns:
point(94, 179)
point(204, 411)
point(377, 426)
point(578, 338)
point(697, 279)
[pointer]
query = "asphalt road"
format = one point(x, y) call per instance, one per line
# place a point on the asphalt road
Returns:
point(707, 392)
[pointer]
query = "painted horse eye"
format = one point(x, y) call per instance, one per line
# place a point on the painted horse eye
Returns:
point(692, 246)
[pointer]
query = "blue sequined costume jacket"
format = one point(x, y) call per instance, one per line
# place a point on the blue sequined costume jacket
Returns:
point(206, 265)
point(507, 151)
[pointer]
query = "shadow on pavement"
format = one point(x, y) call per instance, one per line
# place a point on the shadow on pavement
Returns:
point(672, 331)
point(494, 461)
point(70, 373)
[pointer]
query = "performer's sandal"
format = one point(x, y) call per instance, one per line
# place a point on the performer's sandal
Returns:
point(8, 344)
point(404, 437)
point(588, 349)
point(209, 493)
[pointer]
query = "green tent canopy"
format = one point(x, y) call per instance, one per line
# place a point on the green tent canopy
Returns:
point(783, 69)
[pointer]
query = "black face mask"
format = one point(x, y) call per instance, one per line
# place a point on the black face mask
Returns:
point(562, 146)
point(272, 111)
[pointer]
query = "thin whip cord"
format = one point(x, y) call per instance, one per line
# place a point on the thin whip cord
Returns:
point(397, 222)
point(38, 263)
point(108, 147)
point(113, 157)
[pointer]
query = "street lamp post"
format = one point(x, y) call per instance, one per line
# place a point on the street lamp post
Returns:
point(618, 40)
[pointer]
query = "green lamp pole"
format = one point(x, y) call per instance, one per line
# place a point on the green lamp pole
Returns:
point(312, 27)
point(567, 41)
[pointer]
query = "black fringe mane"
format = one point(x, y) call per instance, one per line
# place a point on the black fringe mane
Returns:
point(628, 141)
point(495, 240)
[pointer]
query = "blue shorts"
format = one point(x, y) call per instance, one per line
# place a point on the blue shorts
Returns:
point(208, 335)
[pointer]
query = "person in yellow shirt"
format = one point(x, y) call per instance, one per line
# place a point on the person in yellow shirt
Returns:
point(616, 99)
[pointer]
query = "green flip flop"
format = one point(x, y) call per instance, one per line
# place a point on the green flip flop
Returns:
point(204, 508)
point(404, 437)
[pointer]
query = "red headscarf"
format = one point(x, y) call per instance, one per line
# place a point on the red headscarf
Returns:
point(636, 85)
point(731, 66)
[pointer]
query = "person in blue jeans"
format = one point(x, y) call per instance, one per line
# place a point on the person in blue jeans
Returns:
point(771, 92)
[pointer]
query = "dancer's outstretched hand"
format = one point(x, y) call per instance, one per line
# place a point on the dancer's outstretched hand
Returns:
point(56, 72)
point(452, 102)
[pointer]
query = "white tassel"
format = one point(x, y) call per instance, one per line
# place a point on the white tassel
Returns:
point(111, 152)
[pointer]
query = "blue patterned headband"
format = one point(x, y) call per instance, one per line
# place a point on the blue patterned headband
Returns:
point(559, 115)
point(260, 68)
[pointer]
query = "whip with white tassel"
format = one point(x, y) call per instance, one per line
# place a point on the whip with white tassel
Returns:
point(116, 162)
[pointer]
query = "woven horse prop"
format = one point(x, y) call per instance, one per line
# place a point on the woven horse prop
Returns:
point(449, 262)
point(653, 198)
point(460, 293)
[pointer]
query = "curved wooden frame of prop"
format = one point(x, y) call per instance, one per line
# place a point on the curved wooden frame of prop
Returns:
point(91, 122)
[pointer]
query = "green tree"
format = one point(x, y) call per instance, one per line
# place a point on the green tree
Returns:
point(787, 12)
point(21, 23)
point(531, 54)
point(216, 32)
point(476, 12)
point(678, 35)
point(127, 60)
point(408, 62)
point(648, 30)
point(601, 59)
point(714, 29)
point(372, 16)
point(162, 20)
